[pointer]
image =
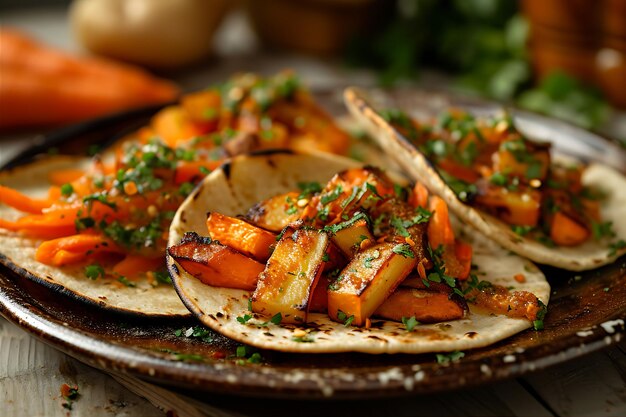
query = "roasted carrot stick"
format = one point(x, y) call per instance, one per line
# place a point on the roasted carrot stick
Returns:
point(65, 176)
point(242, 236)
point(133, 265)
point(22, 202)
point(425, 306)
point(215, 264)
point(439, 228)
point(566, 232)
point(419, 197)
point(193, 171)
point(80, 247)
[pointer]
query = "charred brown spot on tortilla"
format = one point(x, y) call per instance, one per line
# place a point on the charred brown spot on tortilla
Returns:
point(471, 335)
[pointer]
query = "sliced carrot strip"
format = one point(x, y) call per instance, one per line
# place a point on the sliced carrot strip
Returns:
point(439, 228)
point(242, 236)
point(65, 176)
point(22, 202)
point(133, 265)
point(79, 247)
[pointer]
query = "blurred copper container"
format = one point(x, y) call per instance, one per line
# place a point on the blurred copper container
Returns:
point(585, 39)
point(321, 27)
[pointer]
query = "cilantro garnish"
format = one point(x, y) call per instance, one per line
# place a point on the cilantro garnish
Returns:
point(334, 228)
point(343, 317)
point(331, 196)
point(602, 230)
point(368, 260)
point(309, 188)
point(455, 356)
point(244, 319)
point(67, 190)
point(498, 178)
point(409, 323)
point(276, 318)
point(615, 246)
point(522, 230)
point(94, 271)
point(404, 250)
point(126, 282)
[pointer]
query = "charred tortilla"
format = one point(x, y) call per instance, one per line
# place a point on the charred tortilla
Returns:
point(238, 185)
point(589, 255)
point(18, 254)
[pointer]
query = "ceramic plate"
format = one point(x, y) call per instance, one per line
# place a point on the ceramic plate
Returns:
point(586, 313)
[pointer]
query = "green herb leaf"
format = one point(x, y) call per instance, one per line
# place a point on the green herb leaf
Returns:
point(404, 250)
point(94, 271)
point(409, 323)
point(455, 356)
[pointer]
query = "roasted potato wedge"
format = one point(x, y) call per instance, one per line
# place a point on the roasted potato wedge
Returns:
point(275, 213)
point(291, 274)
point(367, 281)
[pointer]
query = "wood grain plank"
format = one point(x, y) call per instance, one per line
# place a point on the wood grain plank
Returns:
point(591, 386)
point(31, 374)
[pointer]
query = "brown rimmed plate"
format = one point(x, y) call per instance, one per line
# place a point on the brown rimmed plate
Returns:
point(586, 312)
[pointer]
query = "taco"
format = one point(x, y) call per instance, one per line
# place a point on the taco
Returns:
point(550, 209)
point(244, 277)
point(97, 229)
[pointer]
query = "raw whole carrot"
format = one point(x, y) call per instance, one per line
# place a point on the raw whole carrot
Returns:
point(72, 249)
point(22, 202)
point(42, 86)
point(133, 265)
point(439, 228)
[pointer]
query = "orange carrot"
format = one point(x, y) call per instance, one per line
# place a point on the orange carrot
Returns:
point(439, 228)
point(173, 125)
point(72, 249)
point(419, 197)
point(133, 265)
point(463, 253)
point(65, 176)
point(458, 171)
point(566, 232)
point(193, 171)
point(242, 236)
point(21, 202)
point(42, 86)
point(216, 265)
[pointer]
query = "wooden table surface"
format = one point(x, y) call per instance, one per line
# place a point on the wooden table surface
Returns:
point(31, 372)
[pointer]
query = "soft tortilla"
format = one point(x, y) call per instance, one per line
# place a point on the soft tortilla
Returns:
point(246, 180)
point(589, 255)
point(18, 253)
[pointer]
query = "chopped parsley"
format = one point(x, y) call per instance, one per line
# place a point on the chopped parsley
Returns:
point(409, 323)
point(541, 314)
point(309, 188)
point(185, 189)
point(126, 282)
point(368, 260)
point(343, 317)
point(334, 228)
point(67, 190)
point(276, 318)
point(94, 271)
point(331, 196)
point(404, 250)
point(522, 230)
point(455, 356)
point(602, 230)
point(498, 178)
point(615, 246)
point(162, 277)
point(196, 332)
point(244, 319)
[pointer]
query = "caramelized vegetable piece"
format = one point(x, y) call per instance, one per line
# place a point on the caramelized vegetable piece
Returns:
point(66, 250)
point(367, 281)
point(215, 264)
point(498, 299)
point(245, 238)
point(523, 159)
point(350, 238)
point(275, 213)
point(22, 202)
point(439, 228)
point(565, 231)
point(426, 306)
point(292, 272)
point(520, 208)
